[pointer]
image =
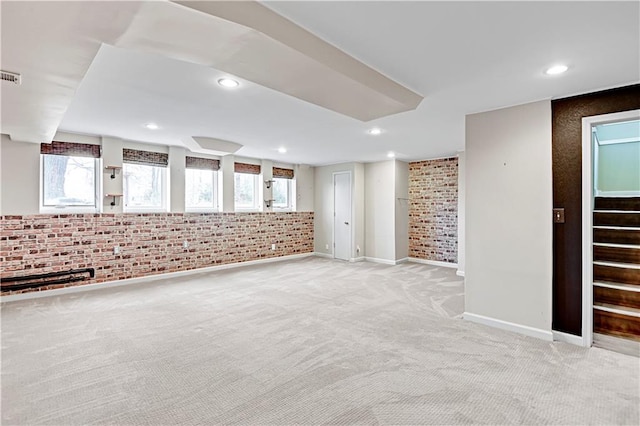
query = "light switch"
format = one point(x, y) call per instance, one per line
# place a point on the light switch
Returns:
point(558, 215)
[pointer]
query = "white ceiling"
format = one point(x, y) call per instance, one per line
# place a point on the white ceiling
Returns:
point(463, 57)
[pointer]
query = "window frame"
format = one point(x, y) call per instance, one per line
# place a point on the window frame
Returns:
point(216, 196)
point(289, 206)
point(164, 191)
point(256, 191)
point(70, 208)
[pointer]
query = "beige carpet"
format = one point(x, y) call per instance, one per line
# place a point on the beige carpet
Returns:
point(310, 341)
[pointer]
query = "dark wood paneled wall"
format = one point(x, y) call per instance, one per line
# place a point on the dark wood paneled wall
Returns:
point(567, 117)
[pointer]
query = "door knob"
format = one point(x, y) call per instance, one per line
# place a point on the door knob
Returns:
point(346, 223)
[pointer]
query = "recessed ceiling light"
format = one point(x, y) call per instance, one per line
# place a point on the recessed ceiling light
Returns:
point(391, 154)
point(375, 131)
point(556, 69)
point(282, 150)
point(228, 83)
point(151, 126)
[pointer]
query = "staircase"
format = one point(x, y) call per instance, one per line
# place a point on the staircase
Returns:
point(616, 272)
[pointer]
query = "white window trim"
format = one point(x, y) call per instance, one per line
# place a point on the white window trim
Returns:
point(289, 207)
point(164, 208)
point(258, 195)
point(216, 196)
point(72, 209)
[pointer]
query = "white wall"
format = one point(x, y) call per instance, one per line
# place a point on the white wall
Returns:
point(380, 210)
point(508, 269)
point(19, 177)
point(304, 176)
point(461, 212)
point(401, 200)
point(386, 210)
point(323, 202)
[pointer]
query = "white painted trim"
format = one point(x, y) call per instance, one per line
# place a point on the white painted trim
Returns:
point(378, 260)
point(325, 255)
point(460, 273)
point(617, 311)
point(618, 286)
point(587, 233)
point(509, 326)
point(559, 336)
point(433, 262)
point(617, 265)
point(357, 259)
point(403, 260)
point(587, 215)
point(146, 278)
point(628, 246)
point(617, 193)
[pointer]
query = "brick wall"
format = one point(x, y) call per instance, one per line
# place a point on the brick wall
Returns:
point(150, 243)
point(433, 210)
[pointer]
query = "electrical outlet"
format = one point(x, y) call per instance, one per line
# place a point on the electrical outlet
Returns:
point(273, 246)
point(326, 247)
point(357, 249)
point(116, 249)
point(185, 244)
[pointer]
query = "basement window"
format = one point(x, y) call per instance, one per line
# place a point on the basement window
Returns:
point(201, 190)
point(144, 187)
point(282, 193)
point(283, 189)
point(247, 191)
point(144, 181)
point(69, 177)
point(247, 187)
point(201, 184)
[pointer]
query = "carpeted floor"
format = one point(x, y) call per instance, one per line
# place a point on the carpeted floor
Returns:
point(309, 341)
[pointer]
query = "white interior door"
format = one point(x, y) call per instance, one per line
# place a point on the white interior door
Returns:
point(342, 215)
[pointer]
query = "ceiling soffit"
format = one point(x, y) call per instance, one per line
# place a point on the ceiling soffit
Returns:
point(248, 40)
point(52, 45)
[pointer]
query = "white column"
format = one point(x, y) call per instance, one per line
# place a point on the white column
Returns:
point(266, 169)
point(112, 156)
point(176, 179)
point(228, 183)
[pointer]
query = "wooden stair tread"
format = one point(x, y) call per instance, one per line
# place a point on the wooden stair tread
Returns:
point(616, 236)
point(626, 255)
point(617, 203)
point(622, 219)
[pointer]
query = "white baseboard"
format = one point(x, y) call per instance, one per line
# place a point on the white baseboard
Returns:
point(509, 326)
point(357, 259)
point(325, 255)
point(378, 260)
point(386, 261)
point(460, 273)
point(146, 278)
point(559, 336)
point(433, 262)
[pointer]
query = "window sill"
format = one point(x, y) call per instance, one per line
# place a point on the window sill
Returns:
point(145, 211)
point(248, 210)
point(68, 210)
point(202, 211)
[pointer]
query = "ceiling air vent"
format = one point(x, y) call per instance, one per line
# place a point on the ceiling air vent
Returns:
point(11, 77)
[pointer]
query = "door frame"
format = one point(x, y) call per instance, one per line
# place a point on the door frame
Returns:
point(333, 219)
point(587, 214)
